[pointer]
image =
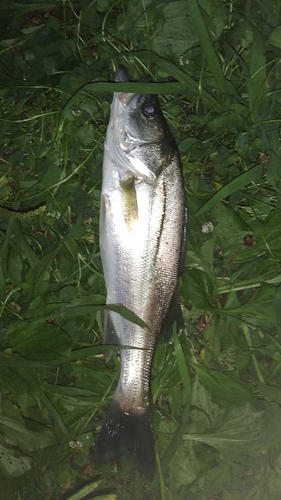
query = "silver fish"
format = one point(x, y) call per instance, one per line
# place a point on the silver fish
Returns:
point(142, 240)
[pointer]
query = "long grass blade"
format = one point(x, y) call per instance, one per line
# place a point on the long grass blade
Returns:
point(233, 186)
point(207, 46)
point(189, 83)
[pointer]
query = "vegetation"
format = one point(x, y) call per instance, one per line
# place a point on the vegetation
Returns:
point(217, 385)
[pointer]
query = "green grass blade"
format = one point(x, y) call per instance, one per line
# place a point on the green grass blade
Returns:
point(54, 413)
point(186, 84)
point(233, 186)
point(256, 83)
point(87, 490)
point(177, 438)
point(185, 377)
point(207, 46)
point(189, 83)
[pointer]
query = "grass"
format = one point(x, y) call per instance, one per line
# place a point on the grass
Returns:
point(216, 386)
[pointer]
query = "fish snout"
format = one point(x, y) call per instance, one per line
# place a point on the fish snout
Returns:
point(121, 74)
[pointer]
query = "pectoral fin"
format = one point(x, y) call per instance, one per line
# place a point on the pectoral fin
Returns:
point(129, 202)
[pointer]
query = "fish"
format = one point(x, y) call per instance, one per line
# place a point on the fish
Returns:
point(143, 220)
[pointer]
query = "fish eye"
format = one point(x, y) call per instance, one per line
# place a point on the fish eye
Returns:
point(148, 109)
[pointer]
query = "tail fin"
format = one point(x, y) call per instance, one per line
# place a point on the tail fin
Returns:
point(127, 434)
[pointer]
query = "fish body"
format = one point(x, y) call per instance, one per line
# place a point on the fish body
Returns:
point(142, 241)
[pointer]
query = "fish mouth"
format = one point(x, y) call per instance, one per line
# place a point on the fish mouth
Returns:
point(121, 74)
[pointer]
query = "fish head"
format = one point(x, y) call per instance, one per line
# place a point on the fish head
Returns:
point(138, 136)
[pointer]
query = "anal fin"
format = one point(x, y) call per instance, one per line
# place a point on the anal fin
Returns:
point(110, 337)
point(174, 315)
